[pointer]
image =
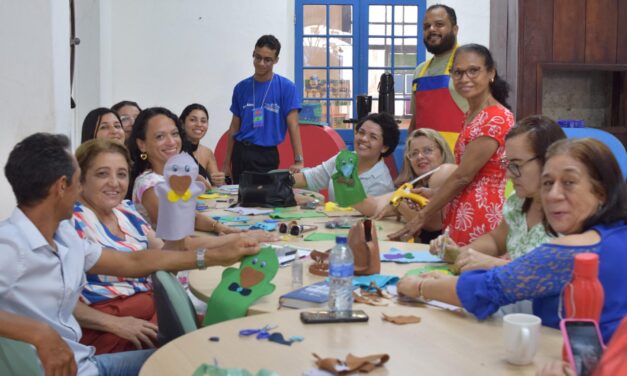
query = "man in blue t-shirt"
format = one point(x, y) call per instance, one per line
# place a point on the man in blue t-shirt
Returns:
point(264, 107)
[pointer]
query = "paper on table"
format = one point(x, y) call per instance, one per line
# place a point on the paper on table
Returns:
point(249, 211)
point(228, 189)
point(296, 215)
point(316, 236)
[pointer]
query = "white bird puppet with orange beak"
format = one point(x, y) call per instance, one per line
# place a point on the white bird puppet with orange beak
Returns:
point(177, 197)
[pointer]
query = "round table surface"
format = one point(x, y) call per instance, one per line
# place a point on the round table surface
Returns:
point(443, 343)
point(202, 282)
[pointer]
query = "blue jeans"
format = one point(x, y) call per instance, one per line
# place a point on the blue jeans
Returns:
point(122, 363)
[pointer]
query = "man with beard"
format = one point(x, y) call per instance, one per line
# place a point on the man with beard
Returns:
point(435, 103)
point(264, 107)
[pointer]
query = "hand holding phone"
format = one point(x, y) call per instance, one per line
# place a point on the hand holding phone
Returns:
point(583, 343)
point(324, 317)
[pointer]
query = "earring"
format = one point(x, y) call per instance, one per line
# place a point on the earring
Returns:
point(143, 156)
point(492, 80)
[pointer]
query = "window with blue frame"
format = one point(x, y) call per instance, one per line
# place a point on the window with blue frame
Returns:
point(342, 49)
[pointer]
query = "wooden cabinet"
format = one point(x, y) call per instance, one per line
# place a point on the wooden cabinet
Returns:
point(573, 36)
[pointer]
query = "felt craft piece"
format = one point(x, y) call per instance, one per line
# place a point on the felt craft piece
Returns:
point(211, 196)
point(177, 197)
point(402, 320)
point(368, 298)
point(429, 268)
point(231, 218)
point(207, 370)
point(239, 288)
point(332, 206)
point(315, 236)
point(399, 256)
point(277, 337)
point(380, 281)
point(352, 363)
point(346, 183)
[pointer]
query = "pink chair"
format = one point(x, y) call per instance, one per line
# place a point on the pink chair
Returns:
point(319, 144)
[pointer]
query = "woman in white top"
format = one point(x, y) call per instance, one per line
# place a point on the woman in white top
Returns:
point(376, 137)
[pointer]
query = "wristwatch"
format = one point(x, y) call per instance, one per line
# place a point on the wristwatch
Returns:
point(200, 259)
point(298, 158)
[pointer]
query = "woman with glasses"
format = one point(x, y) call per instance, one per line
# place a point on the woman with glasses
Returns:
point(522, 228)
point(474, 192)
point(584, 198)
point(102, 123)
point(127, 111)
point(425, 150)
point(376, 137)
point(195, 119)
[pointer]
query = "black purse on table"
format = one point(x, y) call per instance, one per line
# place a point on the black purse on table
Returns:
point(269, 190)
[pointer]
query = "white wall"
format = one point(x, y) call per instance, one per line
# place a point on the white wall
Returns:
point(158, 52)
point(34, 76)
point(172, 53)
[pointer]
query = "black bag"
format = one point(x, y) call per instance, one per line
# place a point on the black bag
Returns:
point(270, 190)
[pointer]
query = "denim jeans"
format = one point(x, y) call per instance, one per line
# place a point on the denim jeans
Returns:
point(122, 363)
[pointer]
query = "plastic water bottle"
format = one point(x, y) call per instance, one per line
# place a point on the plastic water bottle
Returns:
point(341, 267)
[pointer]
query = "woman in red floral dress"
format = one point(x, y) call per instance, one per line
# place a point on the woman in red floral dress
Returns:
point(475, 191)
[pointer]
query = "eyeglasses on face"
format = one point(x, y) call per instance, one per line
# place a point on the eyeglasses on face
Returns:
point(513, 167)
point(265, 60)
point(427, 151)
point(294, 228)
point(127, 119)
point(472, 72)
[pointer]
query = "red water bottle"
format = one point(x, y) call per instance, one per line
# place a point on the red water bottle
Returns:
point(583, 295)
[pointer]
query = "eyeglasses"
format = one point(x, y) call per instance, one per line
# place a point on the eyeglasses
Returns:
point(294, 228)
point(266, 60)
point(126, 120)
point(471, 72)
point(514, 168)
point(416, 153)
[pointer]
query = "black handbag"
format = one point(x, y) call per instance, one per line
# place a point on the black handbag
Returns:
point(270, 190)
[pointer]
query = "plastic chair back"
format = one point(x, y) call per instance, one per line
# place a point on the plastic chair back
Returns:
point(605, 137)
point(18, 358)
point(175, 313)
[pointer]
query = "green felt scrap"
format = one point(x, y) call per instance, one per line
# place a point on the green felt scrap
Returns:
point(315, 236)
point(428, 268)
point(239, 288)
point(346, 184)
point(296, 215)
point(207, 370)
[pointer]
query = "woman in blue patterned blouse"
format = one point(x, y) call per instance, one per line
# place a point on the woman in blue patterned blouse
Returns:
point(584, 198)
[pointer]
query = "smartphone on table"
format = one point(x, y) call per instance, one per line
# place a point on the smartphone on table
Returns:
point(583, 343)
point(324, 317)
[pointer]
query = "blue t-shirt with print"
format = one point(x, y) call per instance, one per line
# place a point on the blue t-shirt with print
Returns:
point(280, 100)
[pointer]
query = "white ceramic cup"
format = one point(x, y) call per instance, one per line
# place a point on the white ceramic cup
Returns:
point(520, 335)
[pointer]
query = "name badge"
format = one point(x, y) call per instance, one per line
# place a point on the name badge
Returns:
point(258, 117)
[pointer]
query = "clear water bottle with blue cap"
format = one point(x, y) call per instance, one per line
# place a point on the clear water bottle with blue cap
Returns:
point(341, 268)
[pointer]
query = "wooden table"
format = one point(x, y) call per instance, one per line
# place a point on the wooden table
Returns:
point(202, 282)
point(443, 343)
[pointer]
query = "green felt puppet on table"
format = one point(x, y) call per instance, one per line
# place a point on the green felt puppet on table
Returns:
point(346, 184)
point(239, 288)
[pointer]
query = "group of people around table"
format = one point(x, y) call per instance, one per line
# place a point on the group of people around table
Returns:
point(569, 197)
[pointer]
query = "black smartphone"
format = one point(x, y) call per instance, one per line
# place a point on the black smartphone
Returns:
point(584, 344)
point(324, 317)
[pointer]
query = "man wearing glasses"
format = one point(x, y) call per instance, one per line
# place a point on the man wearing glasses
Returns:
point(435, 104)
point(264, 107)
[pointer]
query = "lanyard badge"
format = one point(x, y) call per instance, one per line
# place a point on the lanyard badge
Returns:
point(258, 111)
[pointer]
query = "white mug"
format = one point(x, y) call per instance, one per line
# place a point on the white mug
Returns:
point(520, 334)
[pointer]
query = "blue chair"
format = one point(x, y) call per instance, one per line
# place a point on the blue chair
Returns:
point(607, 138)
point(18, 358)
